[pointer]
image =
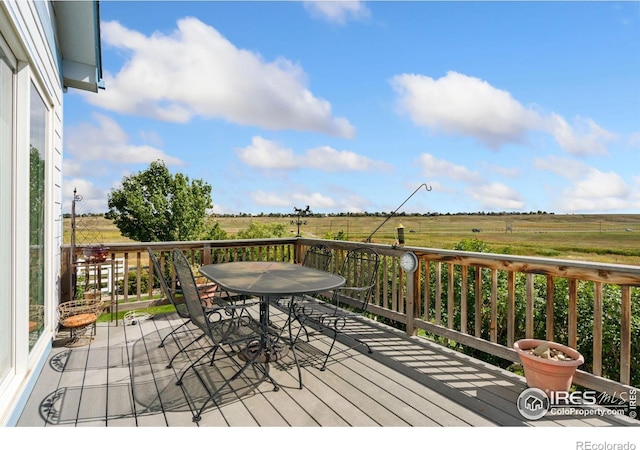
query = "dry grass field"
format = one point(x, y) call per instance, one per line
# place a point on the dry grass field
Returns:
point(598, 237)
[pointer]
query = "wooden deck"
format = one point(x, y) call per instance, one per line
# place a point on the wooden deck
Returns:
point(120, 379)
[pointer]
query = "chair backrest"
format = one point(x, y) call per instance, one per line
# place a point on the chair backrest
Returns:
point(318, 257)
point(360, 270)
point(190, 291)
point(181, 308)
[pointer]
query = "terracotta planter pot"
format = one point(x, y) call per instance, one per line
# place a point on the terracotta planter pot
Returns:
point(548, 374)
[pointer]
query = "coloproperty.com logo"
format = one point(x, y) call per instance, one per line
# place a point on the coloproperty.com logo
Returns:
point(534, 404)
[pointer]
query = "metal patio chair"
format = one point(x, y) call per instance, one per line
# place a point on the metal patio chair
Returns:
point(180, 308)
point(230, 334)
point(318, 257)
point(210, 301)
point(350, 302)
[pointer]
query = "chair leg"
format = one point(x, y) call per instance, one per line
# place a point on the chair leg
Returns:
point(172, 331)
point(293, 343)
point(183, 349)
point(335, 336)
point(249, 362)
point(193, 364)
point(333, 342)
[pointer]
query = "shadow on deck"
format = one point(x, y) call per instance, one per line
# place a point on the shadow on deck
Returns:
point(122, 379)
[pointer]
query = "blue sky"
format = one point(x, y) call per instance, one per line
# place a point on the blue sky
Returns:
point(351, 106)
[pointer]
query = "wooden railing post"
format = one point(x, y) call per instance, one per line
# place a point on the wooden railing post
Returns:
point(66, 275)
point(413, 301)
point(206, 254)
point(297, 252)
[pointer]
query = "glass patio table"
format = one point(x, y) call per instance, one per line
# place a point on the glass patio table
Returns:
point(265, 280)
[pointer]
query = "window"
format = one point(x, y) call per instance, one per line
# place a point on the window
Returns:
point(37, 152)
point(6, 138)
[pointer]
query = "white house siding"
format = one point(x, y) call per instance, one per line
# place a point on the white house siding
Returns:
point(27, 29)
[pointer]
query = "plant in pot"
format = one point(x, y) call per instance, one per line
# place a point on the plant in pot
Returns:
point(548, 365)
point(95, 253)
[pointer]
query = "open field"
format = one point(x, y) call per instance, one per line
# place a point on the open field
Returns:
point(613, 238)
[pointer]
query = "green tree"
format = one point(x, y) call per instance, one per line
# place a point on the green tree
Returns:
point(339, 236)
point(257, 230)
point(154, 205)
point(215, 233)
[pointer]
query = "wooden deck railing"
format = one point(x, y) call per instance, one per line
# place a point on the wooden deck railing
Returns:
point(482, 301)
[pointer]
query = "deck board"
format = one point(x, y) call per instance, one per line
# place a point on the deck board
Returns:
point(121, 379)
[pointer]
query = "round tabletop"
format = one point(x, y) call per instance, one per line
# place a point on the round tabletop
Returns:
point(264, 278)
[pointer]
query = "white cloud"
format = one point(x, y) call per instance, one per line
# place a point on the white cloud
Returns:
point(336, 11)
point(440, 168)
point(262, 198)
point(72, 168)
point(316, 199)
point(496, 196)
point(590, 189)
point(195, 71)
point(107, 141)
point(92, 199)
point(461, 105)
point(565, 167)
point(92, 150)
point(590, 141)
point(341, 200)
point(493, 196)
point(509, 172)
point(600, 191)
point(289, 199)
point(266, 154)
point(329, 159)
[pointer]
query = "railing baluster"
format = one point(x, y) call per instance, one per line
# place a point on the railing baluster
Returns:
point(438, 299)
point(478, 299)
point(395, 294)
point(597, 329)
point(450, 295)
point(138, 277)
point(418, 287)
point(511, 308)
point(125, 279)
point(463, 297)
point(529, 306)
point(625, 336)
point(551, 293)
point(427, 290)
point(573, 313)
point(385, 285)
point(493, 327)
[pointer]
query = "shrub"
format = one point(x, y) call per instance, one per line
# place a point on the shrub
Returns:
point(132, 283)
